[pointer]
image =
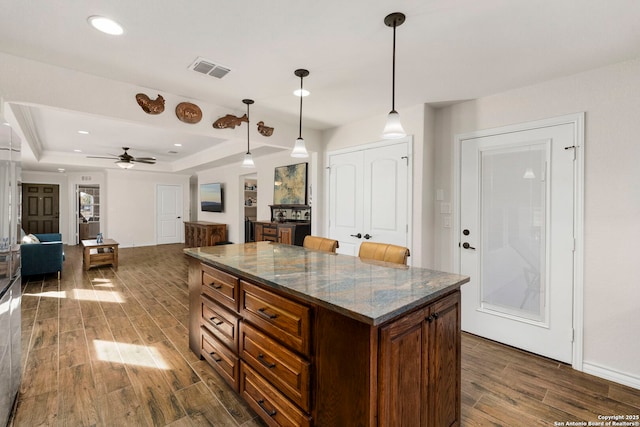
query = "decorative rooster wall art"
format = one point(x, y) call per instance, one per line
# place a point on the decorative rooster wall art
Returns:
point(150, 106)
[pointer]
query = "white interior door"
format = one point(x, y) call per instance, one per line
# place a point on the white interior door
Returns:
point(169, 214)
point(346, 190)
point(386, 186)
point(369, 196)
point(517, 238)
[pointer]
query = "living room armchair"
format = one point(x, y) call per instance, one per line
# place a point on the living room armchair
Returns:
point(43, 257)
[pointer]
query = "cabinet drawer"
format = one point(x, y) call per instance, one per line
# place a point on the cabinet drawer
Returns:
point(283, 368)
point(221, 358)
point(220, 286)
point(282, 318)
point(272, 406)
point(220, 322)
point(269, 230)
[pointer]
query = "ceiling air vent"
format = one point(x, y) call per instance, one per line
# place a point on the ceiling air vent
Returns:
point(204, 66)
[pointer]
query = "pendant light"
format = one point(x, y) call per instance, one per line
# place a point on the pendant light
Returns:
point(248, 159)
point(299, 149)
point(393, 129)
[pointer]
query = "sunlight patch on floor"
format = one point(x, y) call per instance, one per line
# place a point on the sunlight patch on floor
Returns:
point(103, 283)
point(48, 294)
point(98, 296)
point(129, 354)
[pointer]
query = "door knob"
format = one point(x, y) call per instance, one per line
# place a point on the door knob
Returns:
point(468, 246)
point(367, 236)
point(356, 235)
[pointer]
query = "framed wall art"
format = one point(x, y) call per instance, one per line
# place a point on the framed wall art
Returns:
point(290, 185)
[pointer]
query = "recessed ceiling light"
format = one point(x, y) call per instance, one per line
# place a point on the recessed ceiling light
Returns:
point(60, 169)
point(178, 145)
point(6, 124)
point(77, 151)
point(304, 92)
point(83, 132)
point(106, 25)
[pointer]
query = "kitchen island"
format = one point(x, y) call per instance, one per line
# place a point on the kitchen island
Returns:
point(315, 338)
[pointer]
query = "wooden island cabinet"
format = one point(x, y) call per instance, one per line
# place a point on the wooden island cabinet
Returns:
point(310, 338)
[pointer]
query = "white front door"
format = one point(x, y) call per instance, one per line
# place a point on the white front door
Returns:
point(169, 214)
point(369, 197)
point(517, 238)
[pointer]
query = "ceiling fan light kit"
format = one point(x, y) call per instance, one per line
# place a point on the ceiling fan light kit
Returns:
point(126, 160)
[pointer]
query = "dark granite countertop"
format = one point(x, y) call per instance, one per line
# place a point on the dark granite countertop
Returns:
point(369, 291)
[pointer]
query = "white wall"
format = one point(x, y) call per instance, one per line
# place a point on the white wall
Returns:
point(232, 176)
point(130, 199)
point(417, 121)
point(610, 98)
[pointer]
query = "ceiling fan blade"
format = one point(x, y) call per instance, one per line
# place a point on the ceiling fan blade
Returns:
point(102, 157)
point(149, 162)
point(144, 158)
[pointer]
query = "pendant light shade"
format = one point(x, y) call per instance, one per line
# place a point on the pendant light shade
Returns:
point(393, 128)
point(248, 159)
point(299, 149)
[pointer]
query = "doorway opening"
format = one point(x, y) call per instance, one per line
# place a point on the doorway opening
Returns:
point(88, 212)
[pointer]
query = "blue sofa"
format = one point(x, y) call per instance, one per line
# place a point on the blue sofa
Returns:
point(44, 257)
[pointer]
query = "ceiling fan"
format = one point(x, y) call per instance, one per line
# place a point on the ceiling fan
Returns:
point(125, 160)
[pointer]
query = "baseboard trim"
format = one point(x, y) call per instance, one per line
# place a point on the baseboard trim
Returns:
point(611, 375)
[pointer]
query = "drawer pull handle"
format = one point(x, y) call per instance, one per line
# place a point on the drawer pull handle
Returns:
point(220, 322)
point(213, 356)
point(216, 286)
point(264, 362)
point(263, 312)
point(271, 413)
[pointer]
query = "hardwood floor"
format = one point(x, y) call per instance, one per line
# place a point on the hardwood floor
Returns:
point(109, 347)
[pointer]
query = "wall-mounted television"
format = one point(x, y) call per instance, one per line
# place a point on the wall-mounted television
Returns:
point(211, 197)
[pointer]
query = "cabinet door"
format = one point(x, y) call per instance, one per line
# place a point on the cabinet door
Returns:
point(402, 372)
point(419, 367)
point(444, 361)
point(285, 235)
point(258, 232)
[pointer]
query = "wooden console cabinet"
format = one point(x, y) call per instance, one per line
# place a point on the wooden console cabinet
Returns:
point(299, 362)
point(201, 233)
point(289, 233)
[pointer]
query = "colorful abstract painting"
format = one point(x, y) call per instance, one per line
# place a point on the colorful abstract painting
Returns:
point(290, 185)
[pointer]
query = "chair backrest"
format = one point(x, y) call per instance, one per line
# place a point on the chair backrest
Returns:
point(320, 244)
point(384, 252)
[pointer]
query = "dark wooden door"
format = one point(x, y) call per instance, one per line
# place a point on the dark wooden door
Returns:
point(40, 208)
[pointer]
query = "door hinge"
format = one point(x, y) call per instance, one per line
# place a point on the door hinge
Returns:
point(573, 334)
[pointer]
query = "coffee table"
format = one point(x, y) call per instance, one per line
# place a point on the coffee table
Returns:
point(104, 253)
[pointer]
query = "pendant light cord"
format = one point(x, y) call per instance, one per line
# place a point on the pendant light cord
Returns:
point(393, 71)
point(300, 126)
point(248, 122)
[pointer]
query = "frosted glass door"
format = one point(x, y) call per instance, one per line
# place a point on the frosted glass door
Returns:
point(513, 206)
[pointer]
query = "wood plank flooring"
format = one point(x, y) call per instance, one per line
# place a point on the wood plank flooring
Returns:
point(109, 347)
